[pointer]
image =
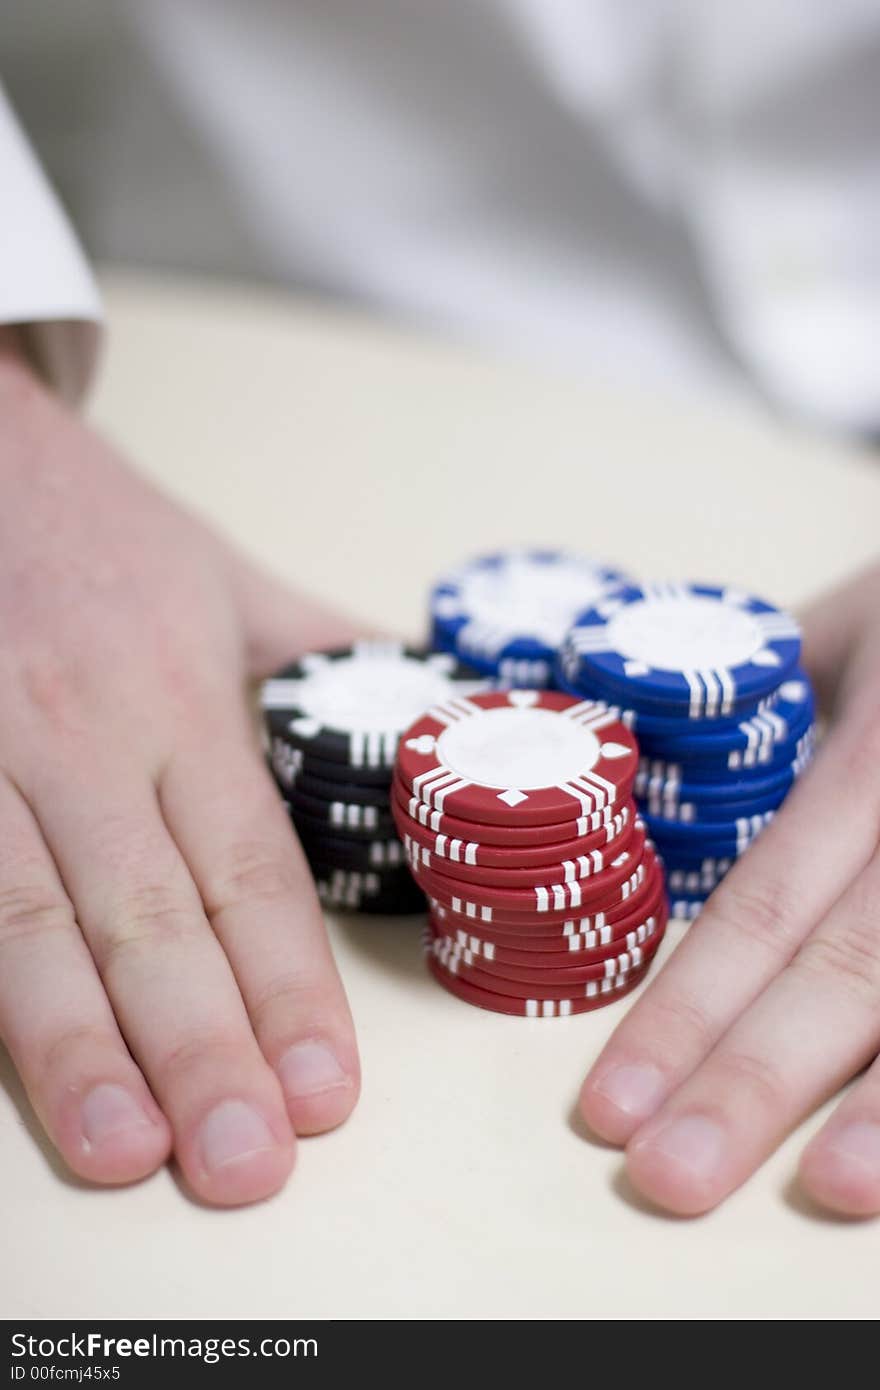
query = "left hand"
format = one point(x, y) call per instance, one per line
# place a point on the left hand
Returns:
point(772, 1001)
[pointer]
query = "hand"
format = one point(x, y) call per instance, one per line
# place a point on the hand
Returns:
point(165, 978)
point(772, 1000)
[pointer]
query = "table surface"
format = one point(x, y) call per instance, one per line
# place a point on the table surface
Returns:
point(361, 461)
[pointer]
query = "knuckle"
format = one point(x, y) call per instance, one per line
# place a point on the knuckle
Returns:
point(851, 957)
point(28, 911)
point(297, 995)
point(197, 1052)
point(678, 1018)
point(150, 917)
point(253, 872)
point(738, 1071)
point(761, 913)
point(82, 1040)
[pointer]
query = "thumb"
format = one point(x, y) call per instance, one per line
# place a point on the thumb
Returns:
point(281, 623)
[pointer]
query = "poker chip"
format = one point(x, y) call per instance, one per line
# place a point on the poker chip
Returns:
point(778, 733)
point(353, 817)
point(389, 894)
point(518, 757)
point(599, 928)
point(538, 960)
point(718, 840)
point(474, 853)
point(599, 866)
point(353, 854)
point(546, 984)
point(506, 614)
point(299, 762)
point(686, 909)
point(693, 649)
point(518, 909)
point(707, 678)
point(332, 721)
point(692, 882)
point(609, 822)
point(350, 706)
point(352, 793)
point(597, 994)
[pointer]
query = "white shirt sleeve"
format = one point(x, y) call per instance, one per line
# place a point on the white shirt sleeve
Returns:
point(45, 282)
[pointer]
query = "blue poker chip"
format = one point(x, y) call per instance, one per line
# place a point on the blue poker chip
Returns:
point(653, 729)
point(778, 733)
point(690, 881)
point(506, 614)
point(711, 813)
point(663, 794)
point(695, 649)
point(715, 840)
point(685, 909)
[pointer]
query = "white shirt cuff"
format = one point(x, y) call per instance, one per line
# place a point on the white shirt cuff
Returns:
point(45, 283)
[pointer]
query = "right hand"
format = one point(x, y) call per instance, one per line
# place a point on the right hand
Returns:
point(165, 977)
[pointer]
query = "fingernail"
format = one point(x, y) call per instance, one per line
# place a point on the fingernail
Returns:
point(694, 1142)
point(635, 1089)
point(309, 1067)
point(233, 1130)
point(109, 1110)
point(859, 1140)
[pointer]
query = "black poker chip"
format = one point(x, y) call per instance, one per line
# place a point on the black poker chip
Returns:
point(310, 827)
point(388, 894)
point(380, 855)
point(343, 817)
point(303, 763)
point(350, 706)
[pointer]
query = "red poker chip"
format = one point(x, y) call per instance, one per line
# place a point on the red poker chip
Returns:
point(518, 757)
point(575, 869)
point(479, 949)
point(606, 992)
point(609, 822)
point(563, 896)
point(473, 853)
point(592, 936)
point(621, 904)
point(543, 984)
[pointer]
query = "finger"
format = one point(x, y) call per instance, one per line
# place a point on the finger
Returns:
point(752, 926)
point(832, 627)
point(65, 1044)
point(170, 984)
point(230, 824)
point(281, 623)
point(811, 1030)
point(840, 1167)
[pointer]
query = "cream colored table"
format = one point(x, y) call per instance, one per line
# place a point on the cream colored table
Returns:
point(361, 462)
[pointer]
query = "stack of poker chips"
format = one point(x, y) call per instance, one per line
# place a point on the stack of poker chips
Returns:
point(507, 614)
point(708, 679)
point(332, 720)
point(516, 811)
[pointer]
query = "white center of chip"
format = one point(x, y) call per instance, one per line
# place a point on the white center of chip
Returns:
point(372, 696)
point(526, 748)
point(530, 599)
point(683, 634)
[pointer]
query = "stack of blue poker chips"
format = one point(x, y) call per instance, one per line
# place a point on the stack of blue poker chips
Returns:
point(506, 614)
point(708, 679)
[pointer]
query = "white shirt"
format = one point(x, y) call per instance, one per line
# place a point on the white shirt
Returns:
point(680, 190)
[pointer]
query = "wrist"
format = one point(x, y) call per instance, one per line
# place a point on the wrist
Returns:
point(16, 370)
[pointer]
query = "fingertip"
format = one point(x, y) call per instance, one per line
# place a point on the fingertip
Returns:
point(321, 1084)
point(617, 1099)
point(239, 1154)
point(680, 1166)
point(841, 1171)
point(112, 1136)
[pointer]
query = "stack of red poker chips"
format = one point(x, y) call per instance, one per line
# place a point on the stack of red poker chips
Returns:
point(515, 809)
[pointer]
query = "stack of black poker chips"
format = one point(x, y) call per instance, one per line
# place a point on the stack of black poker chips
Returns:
point(331, 723)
